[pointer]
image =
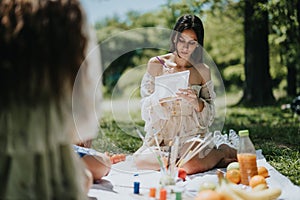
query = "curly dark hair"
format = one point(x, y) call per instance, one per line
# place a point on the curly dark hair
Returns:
point(42, 45)
point(192, 22)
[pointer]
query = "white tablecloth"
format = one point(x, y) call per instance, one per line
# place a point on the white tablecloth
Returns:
point(118, 185)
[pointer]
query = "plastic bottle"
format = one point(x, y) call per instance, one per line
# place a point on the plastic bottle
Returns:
point(136, 184)
point(152, 193)
point(163, 194)
point(246, 155)
point(178, 196)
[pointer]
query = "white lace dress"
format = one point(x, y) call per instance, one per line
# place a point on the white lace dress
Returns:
point(177, 117)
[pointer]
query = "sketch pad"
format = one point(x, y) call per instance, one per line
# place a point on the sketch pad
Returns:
point(167, 85)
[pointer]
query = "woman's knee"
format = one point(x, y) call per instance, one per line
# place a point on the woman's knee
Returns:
point(98, 166)
point(137, 160)
point(196, 165)
point(140, 161)
point(146, 161)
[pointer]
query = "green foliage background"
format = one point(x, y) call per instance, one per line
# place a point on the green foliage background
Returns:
point(224, 39)
point(273, 130)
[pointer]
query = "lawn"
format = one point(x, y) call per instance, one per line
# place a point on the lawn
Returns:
point(273, 130)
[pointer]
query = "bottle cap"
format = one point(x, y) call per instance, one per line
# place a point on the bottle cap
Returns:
point(163, 194)
point(244, 133)
point(152, 192)
point(178, 196)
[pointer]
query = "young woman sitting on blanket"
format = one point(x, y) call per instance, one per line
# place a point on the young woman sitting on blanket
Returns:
point(189, 117)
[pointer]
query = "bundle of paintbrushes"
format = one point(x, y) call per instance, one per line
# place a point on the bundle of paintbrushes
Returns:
point(169, 176)
point(168, 168)
point(191, 151)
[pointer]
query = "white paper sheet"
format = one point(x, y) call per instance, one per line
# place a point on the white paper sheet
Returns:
point(167, 85)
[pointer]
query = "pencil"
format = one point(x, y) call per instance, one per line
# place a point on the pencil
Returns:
point(169, 156)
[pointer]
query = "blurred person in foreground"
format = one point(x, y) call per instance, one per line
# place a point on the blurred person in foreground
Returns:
point(43, 45)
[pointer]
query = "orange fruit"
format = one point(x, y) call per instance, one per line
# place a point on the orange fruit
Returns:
point(208, 195)
point(263, 171)
point(233, 176)
point(256, 180)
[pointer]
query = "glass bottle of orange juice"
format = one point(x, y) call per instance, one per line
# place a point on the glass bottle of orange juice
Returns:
point(246, 155)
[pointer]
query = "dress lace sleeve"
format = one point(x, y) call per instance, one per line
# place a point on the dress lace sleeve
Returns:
point(152, 113)
point(147, 85)
point(207, 95)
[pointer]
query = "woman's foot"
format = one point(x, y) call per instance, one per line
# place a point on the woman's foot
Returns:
point(230, 155)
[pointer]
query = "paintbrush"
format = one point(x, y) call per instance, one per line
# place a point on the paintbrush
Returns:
point(195, 151)
point(159, 152)
point(186, 152)
point(174, 155)
point(169, 155)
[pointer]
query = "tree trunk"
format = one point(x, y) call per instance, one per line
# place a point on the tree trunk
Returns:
point(298, 41)
point(292, 38)
point(258, 84)
point(291, 80)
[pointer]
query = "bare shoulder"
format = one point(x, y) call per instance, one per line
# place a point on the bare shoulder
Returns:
point(201, 73)
point(163, 58)
point(154, 66)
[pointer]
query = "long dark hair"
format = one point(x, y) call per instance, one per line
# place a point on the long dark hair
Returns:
point(42, 45)
point(189, 22)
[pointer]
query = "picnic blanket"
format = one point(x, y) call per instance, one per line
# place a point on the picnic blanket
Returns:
point(118, 185)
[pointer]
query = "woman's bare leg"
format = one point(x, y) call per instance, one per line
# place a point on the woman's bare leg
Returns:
point(146, 159)
point(230, 155)
point(220, 157)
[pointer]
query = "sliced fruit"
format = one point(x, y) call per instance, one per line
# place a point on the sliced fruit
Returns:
point(233, 165)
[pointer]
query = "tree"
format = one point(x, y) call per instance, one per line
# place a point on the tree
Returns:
point(258, 84)
point(285, 26)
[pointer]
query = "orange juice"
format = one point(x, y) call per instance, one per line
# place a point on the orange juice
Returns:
point(248, 166)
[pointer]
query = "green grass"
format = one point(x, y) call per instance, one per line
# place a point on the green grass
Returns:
point(274, 131)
